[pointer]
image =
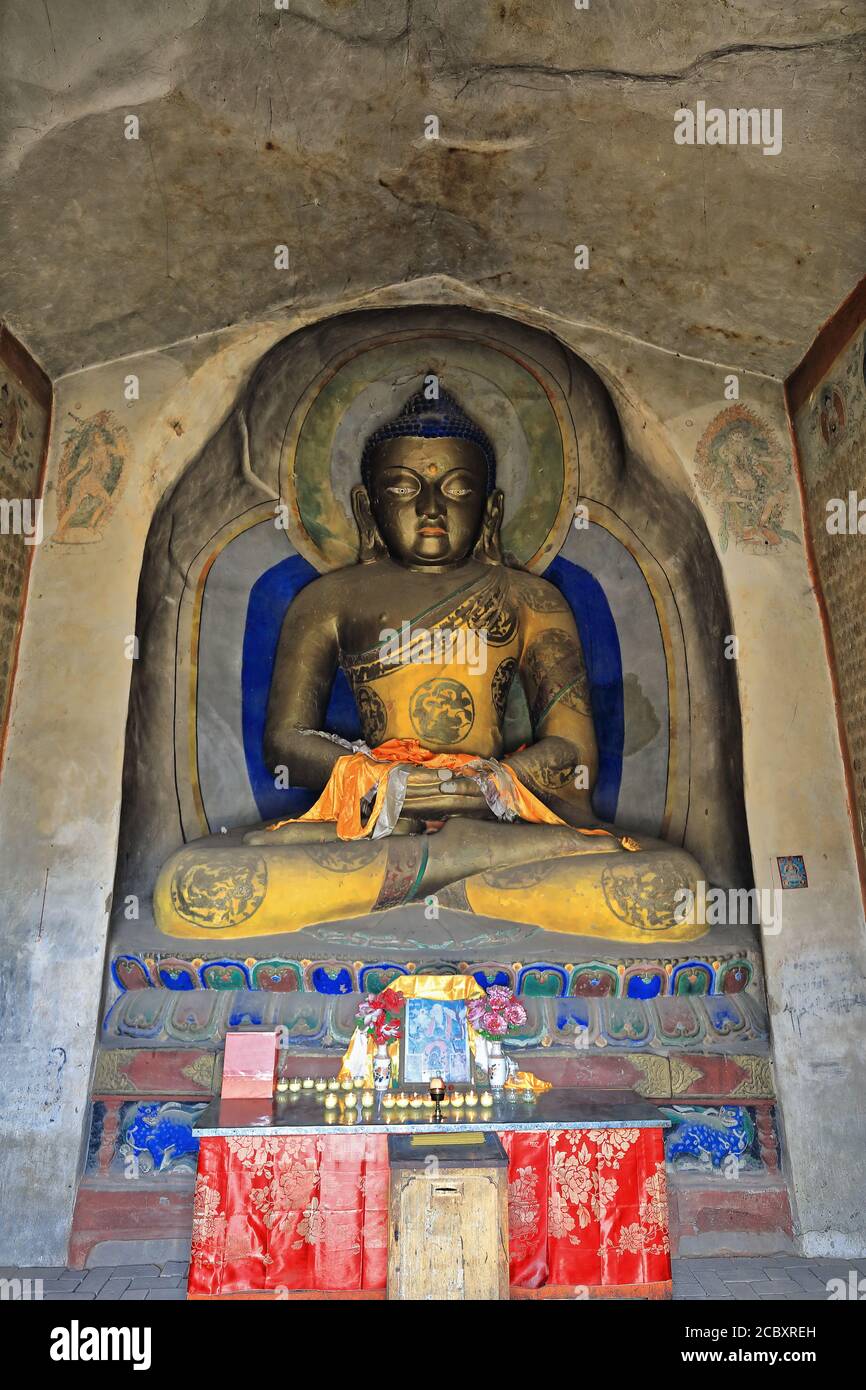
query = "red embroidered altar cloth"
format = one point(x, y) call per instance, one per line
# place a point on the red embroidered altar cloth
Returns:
point(274, 1215)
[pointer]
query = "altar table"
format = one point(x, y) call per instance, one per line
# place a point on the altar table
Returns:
point(291, 1200)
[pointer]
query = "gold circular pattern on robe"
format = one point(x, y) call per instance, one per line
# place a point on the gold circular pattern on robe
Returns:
point(222, 893)
point(374, 716)
point(556, 668)
point(442, 711)
point(642, 895)
point(501, 684)
point(499, 623)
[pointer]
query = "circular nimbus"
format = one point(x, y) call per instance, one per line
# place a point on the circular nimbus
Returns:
point(442, 711)
point(364, 384)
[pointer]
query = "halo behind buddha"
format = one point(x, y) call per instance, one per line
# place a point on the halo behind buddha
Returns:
point(516, 404)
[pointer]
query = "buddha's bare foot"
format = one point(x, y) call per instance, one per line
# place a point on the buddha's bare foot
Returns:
point(465, 846)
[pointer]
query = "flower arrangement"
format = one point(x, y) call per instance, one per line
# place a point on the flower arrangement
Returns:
point(379, 1015)
point(496, 1014)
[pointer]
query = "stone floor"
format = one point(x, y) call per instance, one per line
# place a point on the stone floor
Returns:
point(747, 1279)
point(737, 1278)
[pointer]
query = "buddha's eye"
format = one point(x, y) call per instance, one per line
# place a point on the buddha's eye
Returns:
point(402, 485)
point(457, 488)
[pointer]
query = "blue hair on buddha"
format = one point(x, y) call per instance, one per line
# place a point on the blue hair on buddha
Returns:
point(421, 418)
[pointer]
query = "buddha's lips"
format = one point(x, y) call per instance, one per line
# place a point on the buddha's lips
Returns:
point(432, 531)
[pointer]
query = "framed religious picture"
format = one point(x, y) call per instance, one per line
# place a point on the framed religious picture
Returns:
point(436, 1042)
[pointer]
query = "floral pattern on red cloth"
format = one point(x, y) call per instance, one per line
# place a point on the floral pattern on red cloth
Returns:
point(586, 1208)
point(598, 1209)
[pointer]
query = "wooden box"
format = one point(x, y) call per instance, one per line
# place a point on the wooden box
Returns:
point(448, 1234)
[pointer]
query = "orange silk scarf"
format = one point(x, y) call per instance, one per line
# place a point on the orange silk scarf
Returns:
point(357, 774)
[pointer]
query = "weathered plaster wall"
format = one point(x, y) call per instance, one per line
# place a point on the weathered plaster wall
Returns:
point(796, 804)
point(60, 799)
point(25, 412)
point(305, 126)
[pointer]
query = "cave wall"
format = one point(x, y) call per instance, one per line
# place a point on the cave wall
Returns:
point(68, 735)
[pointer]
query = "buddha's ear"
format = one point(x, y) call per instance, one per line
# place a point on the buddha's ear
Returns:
point(371, 546)
point(488, 547)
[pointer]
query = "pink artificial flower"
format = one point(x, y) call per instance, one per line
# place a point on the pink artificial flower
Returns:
point(498, 996)
point(495, 1023)
point(514, 1013)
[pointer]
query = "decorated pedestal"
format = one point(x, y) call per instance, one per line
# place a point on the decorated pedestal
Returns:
point(687, 1030)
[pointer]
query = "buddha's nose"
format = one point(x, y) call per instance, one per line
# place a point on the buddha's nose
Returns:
point(429, 503)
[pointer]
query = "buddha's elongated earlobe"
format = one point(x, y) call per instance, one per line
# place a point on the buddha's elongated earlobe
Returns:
point(371, 546)
point(488, 547)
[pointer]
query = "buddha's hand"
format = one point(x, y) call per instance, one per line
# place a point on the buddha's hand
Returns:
point(433, 792)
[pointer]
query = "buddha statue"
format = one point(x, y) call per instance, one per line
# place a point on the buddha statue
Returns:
point(431, 627)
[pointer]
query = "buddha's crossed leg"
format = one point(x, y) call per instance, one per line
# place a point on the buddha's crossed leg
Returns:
point(547, 876)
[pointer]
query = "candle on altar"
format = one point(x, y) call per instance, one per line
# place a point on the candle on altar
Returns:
point(367, 1099)
point(282, 1086)
point(307, 1084)
point(331, 1102)
point(351, 1099)
point(348, 1084)
point(320, 1083)
point(486, 1098)
point(359, 1083)
point(457, 1098)
point(388, 1101)
point(294, 1084)
point(471, 1097)
point(416, 1101)
point(402, 1101)
point(333, 1084)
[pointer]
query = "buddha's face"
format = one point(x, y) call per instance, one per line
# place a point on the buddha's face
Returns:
point(428, 498)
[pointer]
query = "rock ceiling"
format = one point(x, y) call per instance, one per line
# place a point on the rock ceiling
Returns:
point(305, 126)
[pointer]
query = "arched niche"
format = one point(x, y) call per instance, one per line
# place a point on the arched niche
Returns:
point(265, 507)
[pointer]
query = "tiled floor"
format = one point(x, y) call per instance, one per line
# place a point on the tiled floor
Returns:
point(737, 1278)
point(124, 1282)
point(747, 1279)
